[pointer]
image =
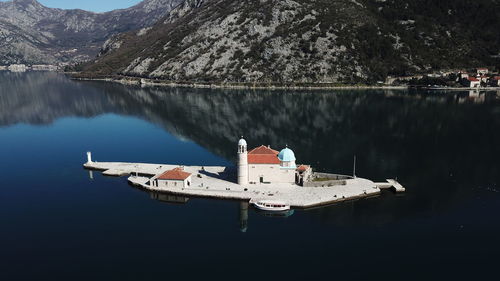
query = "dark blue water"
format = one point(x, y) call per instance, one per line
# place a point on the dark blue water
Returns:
point(57, 223)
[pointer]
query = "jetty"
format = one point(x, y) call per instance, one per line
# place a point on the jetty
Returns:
point(391, 184)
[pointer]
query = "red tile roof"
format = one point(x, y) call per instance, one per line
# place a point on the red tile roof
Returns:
point(263, 159)
point(302, 168)
point(263, 150)
point(175, 174)
point(263, 155)
point(473, 79)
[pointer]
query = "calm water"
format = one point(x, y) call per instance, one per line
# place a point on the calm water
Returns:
point(59, 224)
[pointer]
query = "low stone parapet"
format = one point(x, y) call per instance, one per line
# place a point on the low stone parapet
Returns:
point(325, 179)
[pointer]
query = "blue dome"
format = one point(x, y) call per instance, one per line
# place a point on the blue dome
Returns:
point(286, 155)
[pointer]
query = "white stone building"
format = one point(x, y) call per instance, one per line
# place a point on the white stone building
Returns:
point(482, 71)
point(17, 68)
point(304, 173)
point(172, 178)
point(264, 165)
point(473, 82)
point(44, 67)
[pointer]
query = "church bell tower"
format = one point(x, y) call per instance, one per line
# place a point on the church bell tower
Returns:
point(242, 162)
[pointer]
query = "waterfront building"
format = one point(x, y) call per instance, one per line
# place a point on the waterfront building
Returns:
point(472, 82)
point(495, 81)
point(304, 172)
point(483, 78)
point(172, 178)
point(482, 71)
point(17, 68)
point(44, 67)
point(264, 165)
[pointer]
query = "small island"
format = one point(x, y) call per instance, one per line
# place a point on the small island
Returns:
point(262, 175)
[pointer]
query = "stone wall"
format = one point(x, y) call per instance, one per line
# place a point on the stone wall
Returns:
point(171, 183)
point(333, 180)
point(270, 173)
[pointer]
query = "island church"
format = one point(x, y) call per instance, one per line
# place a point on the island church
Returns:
point(264, 165)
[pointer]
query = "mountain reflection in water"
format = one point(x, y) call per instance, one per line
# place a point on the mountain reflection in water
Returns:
point(434, 143)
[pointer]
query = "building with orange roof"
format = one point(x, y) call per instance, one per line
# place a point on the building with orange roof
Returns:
point(482, 71)
point(472, 82)
point(172, 178)
point(304, 172)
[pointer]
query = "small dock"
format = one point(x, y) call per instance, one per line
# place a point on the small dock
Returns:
point(391, 184)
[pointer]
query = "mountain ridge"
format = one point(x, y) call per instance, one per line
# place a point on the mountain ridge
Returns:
point(32, 33)
point(307, 41)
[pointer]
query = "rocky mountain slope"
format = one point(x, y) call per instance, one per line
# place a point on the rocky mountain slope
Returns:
point(303, 41)
point(32, 33)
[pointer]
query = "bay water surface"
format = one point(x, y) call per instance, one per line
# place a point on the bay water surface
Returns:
point(61, 222)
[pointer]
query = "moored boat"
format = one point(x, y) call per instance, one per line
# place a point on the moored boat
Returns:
point(276, 214)
point(271, 205)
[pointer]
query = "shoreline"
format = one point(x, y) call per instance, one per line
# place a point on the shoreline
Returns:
point(145, 82)
point(455, 89)
point(245, 86)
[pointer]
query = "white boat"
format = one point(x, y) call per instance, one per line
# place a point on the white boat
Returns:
point(276, 214)
point(271, 205)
